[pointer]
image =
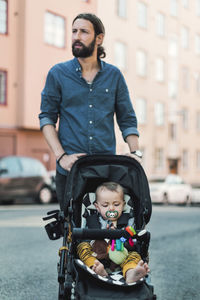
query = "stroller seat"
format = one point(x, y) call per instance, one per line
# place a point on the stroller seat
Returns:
point(76, 280)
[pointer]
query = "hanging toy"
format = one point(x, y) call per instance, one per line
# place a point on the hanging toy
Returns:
point(117, 256)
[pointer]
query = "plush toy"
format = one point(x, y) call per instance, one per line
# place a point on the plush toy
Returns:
point(118, 256)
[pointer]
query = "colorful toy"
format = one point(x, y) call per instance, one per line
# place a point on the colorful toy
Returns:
point(117, 252)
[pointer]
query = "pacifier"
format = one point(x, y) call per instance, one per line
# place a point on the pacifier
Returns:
point(110, 214)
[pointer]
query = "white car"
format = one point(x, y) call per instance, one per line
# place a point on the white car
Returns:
point(171, 189)
point(195, 195)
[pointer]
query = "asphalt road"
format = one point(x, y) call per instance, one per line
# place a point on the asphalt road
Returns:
point(28, 258)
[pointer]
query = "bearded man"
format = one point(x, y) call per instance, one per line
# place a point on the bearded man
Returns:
point(84, 94)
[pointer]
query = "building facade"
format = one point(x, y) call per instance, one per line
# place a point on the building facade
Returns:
point(156, 44)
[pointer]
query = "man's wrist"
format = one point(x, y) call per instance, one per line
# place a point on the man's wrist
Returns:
point(138, 153)
point(60, 157)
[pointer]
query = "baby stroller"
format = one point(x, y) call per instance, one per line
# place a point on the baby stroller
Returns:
point(77, 281)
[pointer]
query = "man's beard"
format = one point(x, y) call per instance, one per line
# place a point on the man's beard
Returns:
point(84, 51)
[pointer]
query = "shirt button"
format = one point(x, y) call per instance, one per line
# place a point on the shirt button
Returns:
point(106, 90)
point(91, 122)
point(91, 137)
point(90, 105)
point(90, 90)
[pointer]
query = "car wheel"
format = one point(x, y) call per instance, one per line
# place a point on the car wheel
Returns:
point(188, 200)
point(45, 195)
point(165, 199)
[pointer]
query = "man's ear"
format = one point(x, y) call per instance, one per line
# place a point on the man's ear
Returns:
point(99, 39)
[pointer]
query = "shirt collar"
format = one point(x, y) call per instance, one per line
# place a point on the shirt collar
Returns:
point(78, 66)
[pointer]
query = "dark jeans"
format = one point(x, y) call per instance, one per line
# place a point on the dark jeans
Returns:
point(61, 181)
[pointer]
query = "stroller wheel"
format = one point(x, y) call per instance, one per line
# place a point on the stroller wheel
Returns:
point(61, 292)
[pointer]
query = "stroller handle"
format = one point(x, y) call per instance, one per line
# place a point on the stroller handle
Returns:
point(85, 233)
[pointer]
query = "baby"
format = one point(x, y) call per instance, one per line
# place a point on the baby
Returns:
point(110, 204)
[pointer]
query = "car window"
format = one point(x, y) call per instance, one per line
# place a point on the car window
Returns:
point(11, 164)
point(32, 167)
point(173, 179)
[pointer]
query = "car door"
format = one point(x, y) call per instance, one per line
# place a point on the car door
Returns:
point(9, 177)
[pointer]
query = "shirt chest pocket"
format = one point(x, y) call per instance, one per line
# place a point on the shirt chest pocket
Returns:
point(105, 99)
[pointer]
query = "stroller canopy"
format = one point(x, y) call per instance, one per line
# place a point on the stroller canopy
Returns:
point(90, 171)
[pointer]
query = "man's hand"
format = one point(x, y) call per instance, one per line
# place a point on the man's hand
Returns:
point(134, 156)
point(67, 161)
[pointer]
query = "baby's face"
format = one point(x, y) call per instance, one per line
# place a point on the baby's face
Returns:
point(110, 204)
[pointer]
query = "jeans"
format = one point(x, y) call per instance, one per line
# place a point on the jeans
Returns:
point(61, 181)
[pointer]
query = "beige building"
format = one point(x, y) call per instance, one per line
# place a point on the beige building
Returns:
point(156, 44)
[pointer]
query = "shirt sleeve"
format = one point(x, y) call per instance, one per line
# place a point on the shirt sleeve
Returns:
point(126, 117)
point(50, 100)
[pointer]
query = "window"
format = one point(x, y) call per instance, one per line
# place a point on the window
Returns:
point(173, 46)
point(198, 8)
point(3, 83)
point(173, 89)
point(3, 16)
point(198, 121)
point(198, 83)
point(160, 24)
point(198, 159)
point(141, 63)
point(185, 159)
point(159, 159)
point(185, 78)
point(120, 55)
point(160, 72)
point(54, 30)
point(185, 37)
point(172, 132)
point(173, 69)
point(197, 44)
point(141, 109)
point(159, 114)
point(185, 119)
point(142, 15)
point(173, 8)
point(122, 8)
point(185, 3)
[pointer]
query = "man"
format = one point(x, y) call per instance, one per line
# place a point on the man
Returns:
point(84, 93)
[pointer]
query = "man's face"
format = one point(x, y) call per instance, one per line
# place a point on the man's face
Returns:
point(110, 204)
point(83, 38)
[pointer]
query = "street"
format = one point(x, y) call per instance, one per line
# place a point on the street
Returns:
point(28, 260)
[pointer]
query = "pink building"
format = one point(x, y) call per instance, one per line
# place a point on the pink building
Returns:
point(32, 38)
point(156, 44)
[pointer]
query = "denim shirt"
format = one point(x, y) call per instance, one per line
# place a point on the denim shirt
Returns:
point(86, 111)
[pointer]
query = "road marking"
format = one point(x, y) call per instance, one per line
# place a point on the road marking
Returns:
point(31, 221)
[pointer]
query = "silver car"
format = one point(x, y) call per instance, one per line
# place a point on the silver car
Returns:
point(24, 177)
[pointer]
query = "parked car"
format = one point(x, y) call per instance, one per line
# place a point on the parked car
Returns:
point(171, 189)
point(195, 195)
point(24, 177)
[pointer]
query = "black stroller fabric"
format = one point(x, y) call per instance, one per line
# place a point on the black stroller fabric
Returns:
point(90, 171)
point(85, 176)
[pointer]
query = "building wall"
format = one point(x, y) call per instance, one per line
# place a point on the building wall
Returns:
point(152, 136)
point(27, 59)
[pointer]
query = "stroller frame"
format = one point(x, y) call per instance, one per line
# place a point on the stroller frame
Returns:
point(90, 171)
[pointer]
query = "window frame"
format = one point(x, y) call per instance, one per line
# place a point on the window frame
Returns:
point(5, 87)
point(142, 21)
point(64, 19)
point(120, 45)
point(124, 14)
point(6, 22)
